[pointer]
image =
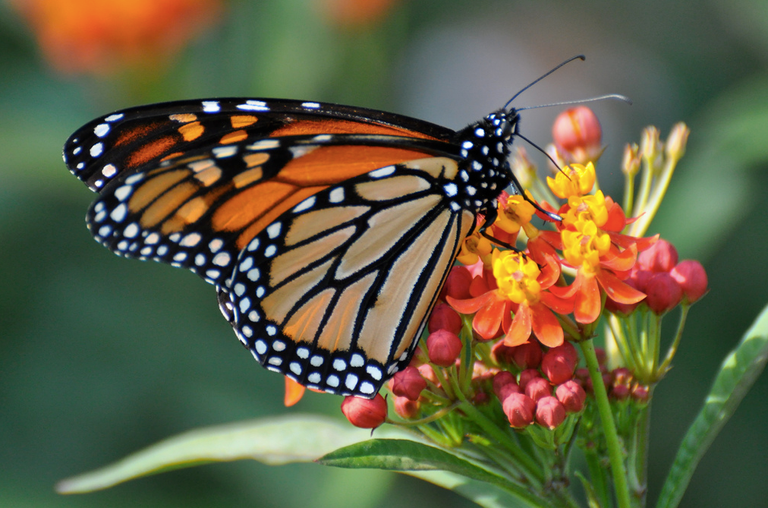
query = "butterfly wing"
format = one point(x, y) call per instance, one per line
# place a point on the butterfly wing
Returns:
point(327, 230)
point(336, 291)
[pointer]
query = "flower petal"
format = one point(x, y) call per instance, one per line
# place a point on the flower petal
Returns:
point(470, 305)
point(587, 303)
point(520, 330)
point(619, 261)
point(487, 321)
point(557, 304)
point(546, 326)
point(617, 290)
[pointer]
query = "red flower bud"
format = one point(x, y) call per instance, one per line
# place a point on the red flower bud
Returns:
point(550, 412)
point(527, 356)
point(601, 356)
point(571, 395)
point(443, 347)
point(502, 378)
point(519, 409)
point(406, 407)
point(443, 317)
point(659, 257)
point(457, 284)
point(408, 383)
point(526, 376)
point(620, 392)
point(365, 413)
point(664, 293)
point(560, 363)
point(507, 389)
point(578, 132)
point(692, 279)
point(538, 388)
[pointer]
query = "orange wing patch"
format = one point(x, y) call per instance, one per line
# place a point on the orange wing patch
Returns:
point(328, 126)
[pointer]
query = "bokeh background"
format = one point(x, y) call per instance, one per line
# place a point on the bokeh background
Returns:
point(100, 356)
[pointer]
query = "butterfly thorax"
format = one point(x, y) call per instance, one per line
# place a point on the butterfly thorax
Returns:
point(484, 146)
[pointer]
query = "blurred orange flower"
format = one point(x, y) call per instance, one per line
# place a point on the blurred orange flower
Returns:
point(356, 12)
point(101, 36)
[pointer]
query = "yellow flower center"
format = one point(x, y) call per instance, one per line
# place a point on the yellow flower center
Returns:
point(575, 180)
point(516, 276)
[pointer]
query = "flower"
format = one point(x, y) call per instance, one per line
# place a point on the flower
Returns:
point(571, 395)
point(443, 347)
point(521, 289)
point(408, 383)
point(520, 410)
point(692, 278)
point(550, 412)
point(560, 363)
point(100, 37)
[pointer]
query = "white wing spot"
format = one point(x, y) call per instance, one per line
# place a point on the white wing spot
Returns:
point(101, 130)
point(273, 230)
point(336, 195)
point(246, 264)
point(366, 388)
point(191, 240)
point(131, 230)
point(264, 144)
point(302, 353)
point(316, 361)
point(215, 244)
point(374, 372)
point(278, 346)
point(295, 368)
point(276, 361)
point(339, 364)
point(305, 205)
point(180, 256)
point(221, 152)
point(450, 189)
point(382, 172)
point(261, 347)
point(122, 192)
point(310, 105)
point(332, 381)
point(270, 251)
point(357, 360)
point(211, 106)
point(200, 259)
point(351, 381)
point(272, 331)
point(119, 213)
point(314, 378)
point(97, 149)
point(222, 259)
point(253, 106)
point(253, 274)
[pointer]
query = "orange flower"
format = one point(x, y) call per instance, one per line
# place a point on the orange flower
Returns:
point(101, 36)
point(593, 244)
point(521, 289)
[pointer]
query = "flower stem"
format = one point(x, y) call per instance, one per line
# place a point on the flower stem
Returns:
point(609, 427)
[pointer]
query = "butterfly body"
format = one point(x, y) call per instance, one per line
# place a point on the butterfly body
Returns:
point(327, 230)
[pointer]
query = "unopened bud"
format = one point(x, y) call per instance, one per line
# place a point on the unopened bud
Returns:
point(406, 407)
point(577, 131)
point(538, 388)
point(560, 363)
point(526, 376)
point(571, 395)
point(365, 413)
point(443, 317)
point(527, 356)
point(550, 412)
point(659, 257)
point(408, 383)
point(443, 347)
point(677, 140)
point(663, 293)
point(520, 410)
point(692, 277)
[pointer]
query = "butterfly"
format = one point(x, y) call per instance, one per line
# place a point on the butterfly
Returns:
point(327, 230)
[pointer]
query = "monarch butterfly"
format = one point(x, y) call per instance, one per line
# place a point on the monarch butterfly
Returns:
point(327, 230)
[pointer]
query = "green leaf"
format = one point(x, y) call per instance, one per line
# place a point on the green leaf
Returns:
point(410, 456)
point(736, 376)
point(275, 441)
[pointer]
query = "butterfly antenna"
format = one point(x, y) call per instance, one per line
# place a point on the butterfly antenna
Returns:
point(612, 96)
point(537, 147)
point(577, 57)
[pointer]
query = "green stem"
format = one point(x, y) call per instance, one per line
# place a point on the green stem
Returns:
point(609, 427)
point(528, 465)
point(673, 348)
point(638, 460)
point(597, 476)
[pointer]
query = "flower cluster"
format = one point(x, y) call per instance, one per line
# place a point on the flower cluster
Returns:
point(522, 312)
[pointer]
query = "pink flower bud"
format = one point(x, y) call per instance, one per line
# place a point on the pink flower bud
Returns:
point(502, 378)
point(659, 257)
point(560, 363)
point(406, 407)
point(664, 293)
point(444, 347)
point(457, 284)
point(519, 409)
point(443, 317)
point(527, 356)
point(408, 383)
point(550, 412)
point(526, 376)
point(571, 395)
point(620, 392)
point(692, 279)
point(507, 389)
point(577, 131)
point(538, 388)
point(365, 413)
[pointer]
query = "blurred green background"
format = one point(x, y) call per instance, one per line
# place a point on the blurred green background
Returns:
point(100, 356)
